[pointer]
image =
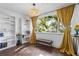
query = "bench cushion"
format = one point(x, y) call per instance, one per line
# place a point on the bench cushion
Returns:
point(44, 42)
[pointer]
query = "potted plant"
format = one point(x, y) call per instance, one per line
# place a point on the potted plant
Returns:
point(76, 29)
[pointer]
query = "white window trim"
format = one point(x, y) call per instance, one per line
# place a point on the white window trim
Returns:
point(50, 33)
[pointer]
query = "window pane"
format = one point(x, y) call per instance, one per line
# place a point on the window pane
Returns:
point(47, 24)
point(61, 28)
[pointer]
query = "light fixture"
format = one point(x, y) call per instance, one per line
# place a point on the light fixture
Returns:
point(34, 11)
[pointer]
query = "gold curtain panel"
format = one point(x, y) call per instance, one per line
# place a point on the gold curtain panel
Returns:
point(65, 16)
point(33, 36)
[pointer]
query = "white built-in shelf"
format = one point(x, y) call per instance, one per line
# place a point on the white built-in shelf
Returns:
point(7, 27)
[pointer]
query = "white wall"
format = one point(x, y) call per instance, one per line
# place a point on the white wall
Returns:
point(75, 18)
point(55, 37)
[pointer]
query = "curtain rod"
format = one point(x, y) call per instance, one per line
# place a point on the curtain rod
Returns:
point(54, 10)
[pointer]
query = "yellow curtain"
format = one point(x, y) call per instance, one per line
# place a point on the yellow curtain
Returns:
point(33, 36)
point(65, 15)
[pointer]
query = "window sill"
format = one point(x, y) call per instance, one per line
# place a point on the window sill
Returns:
point(55, 33)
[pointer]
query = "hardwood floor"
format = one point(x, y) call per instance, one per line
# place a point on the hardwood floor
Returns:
point(27, 50)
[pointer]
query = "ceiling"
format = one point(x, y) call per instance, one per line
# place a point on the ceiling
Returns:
point(23, 8)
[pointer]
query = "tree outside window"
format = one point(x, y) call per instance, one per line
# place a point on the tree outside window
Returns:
point(49, 24)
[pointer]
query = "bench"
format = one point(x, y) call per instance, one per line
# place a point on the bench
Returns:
point(44, 42)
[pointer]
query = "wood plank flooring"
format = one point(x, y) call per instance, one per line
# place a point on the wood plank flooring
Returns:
point(27, 50)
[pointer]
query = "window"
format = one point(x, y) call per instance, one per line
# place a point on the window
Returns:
point(49, 24)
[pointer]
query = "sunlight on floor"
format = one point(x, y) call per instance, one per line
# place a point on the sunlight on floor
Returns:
point(41, 55)
point(19, 48)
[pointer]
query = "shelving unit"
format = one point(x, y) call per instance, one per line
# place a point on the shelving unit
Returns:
point(7, 27)
point(25, 29)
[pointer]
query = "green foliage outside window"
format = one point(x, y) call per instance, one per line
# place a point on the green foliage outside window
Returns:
point(48, 24)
